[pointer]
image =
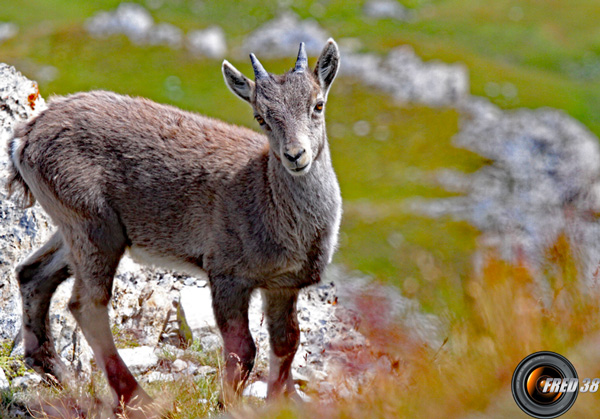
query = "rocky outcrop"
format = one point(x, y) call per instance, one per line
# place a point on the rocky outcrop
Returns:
point(21, 231)
point(543, 181)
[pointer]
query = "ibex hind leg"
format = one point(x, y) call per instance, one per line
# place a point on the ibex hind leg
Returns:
point(38, 277)
point(284, 336)
point(97, 247)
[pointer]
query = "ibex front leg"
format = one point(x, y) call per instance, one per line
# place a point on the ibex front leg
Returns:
point(230, 298)
point(38, 277)
point(284, 334)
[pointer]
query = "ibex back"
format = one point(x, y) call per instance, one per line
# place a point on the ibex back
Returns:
point(117, 173)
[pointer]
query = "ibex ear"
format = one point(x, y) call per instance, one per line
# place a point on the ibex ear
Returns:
point(239, 84)
point(327, 65)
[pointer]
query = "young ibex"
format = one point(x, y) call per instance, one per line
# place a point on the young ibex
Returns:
point(117, 173)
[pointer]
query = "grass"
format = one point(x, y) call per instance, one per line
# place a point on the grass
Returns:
point(547, 50)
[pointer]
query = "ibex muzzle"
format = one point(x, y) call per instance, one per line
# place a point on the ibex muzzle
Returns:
point(178, 189)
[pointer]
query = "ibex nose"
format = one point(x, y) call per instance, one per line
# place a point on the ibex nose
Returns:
point(296, 153)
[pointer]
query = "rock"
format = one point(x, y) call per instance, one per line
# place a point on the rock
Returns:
point(130, 19)
point(140, 359)
point(155, 376)
point(165, 34)
point(134, 21)
point(195, 311)
point(4, 384)
point(26, 381)
point(21, 231)
point(179, 365)
point(210, 342)
point(8, 30)
point(205, 370)
point(256, 389)
point(387, 9)
point(279, 36)
point(209, 42)
point(139, 305)
point(543, 181)
point(169, 351)
point(69, 340)
point(407, 78)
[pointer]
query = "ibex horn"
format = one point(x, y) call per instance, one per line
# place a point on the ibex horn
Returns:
point(302, 61)
point(259, 70)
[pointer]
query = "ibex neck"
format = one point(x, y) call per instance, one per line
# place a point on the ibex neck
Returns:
point(315, 195)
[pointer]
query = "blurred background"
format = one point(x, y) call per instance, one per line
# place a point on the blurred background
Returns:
point(464, 135)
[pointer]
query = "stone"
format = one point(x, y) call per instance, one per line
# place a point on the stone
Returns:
point(130, 19)
point(205, 370)
point(8, 30)
point(4, 384)
point(165, 34)
point(179, 365)
point(279, 36)
point(195, 310)
point(209, 42)
point(139, 305)
point(387, 9)
point(140, 359)
point(210, 342)
point(26, 381)
point(155, 376)
point(407, 78)
point(256, 389)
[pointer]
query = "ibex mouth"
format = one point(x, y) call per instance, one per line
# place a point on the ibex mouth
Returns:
point(300, 169)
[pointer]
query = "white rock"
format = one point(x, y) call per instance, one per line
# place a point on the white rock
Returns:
point(281, 36)
point(382, 9)
point(205, 370)
point(155, 376)
point(130, 19)
point(26, 381)
point(4, 384)
point(210, 342)
point(8, 30)
point(209, 42)
point(256, 389)
point(21, 231)
point(179, 365)
point(165, 34)
point(140, 359)
point(407, 78)
point(195, 306)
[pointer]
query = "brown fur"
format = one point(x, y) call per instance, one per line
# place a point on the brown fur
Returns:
point(118, 173)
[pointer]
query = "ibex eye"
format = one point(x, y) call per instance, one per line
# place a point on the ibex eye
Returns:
point(319, 107)
point(259, 119)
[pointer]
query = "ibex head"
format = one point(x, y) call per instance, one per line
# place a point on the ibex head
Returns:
point(290, 108)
